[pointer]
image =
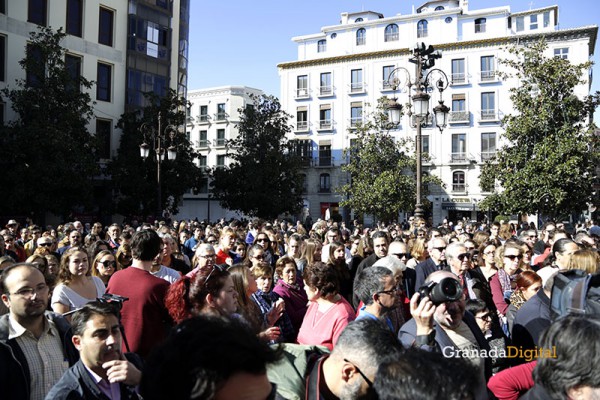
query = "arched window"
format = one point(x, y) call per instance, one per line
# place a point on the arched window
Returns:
point(458, 181)
point(357, 20)
point(361, 37)
point(391, 33)
point(324, 183)
point(322, 46)
point(422, 28)
point(439, 8)
point(480, 25)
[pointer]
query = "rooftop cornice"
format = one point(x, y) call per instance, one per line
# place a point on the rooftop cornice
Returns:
point(222, 90)
point(591, 31)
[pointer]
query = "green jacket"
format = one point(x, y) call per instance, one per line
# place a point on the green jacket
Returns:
point(291, 371)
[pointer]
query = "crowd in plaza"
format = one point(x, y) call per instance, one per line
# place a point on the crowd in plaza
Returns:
point(279, 310)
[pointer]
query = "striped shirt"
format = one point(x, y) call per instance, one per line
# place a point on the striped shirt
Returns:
point(44, 356)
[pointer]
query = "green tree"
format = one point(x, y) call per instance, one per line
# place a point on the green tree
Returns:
point(263, 179)
point(135, 178)
point(382, 170)
point(548, 163)
point(49, 157)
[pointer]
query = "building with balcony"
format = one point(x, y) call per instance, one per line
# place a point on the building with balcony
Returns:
point(213, 115)
point(343, 70)
point(125, 47)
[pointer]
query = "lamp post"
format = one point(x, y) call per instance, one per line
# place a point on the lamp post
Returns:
point(424, 58)
point(159, 138)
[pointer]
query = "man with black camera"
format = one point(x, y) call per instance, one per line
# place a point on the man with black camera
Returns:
point(452, 331)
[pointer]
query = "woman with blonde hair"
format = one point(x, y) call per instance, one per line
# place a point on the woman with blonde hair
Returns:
point(76, 287)
point(310, 253)
point(418, 251)
point(104, 265)
point(586, 260)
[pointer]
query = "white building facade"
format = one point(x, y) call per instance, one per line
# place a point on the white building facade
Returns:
point(213, 116)
point(342, 71)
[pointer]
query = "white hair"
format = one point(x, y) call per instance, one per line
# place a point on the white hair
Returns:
point(390, 262)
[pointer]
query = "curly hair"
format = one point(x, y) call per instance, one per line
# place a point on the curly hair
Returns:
point(282, 262)
point(322, 277)
point(64, 274)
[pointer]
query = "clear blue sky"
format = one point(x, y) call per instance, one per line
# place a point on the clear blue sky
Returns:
point(240, 42)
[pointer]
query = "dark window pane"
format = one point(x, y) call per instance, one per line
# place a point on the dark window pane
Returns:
point(2, 6)
point(103, 82)
point(105, 28)
point(36, 69)
point(37, 11)
point(103, 134)
point(73, 67)
point(2, 57)
point(74, 17)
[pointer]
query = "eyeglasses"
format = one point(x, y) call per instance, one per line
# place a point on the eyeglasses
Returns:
point(464, 256)
point(485, 317)
point(402, 255)
point(108, 263)
point(259, 257)
point(27, 293)
point(390, 292)
point(207, 256)
point(212, 242)
point(262, 240)
point(360, 373)
point(513, 257)
point(440, 249)
point(46, 244)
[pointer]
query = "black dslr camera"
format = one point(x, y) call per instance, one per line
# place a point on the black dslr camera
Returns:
point(447, 290)
point(113, 299)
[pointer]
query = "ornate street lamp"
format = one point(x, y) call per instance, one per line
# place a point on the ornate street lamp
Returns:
point(158, 137)
point(424, 58)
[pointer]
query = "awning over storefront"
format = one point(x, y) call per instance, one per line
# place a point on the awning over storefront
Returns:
point(459, 206)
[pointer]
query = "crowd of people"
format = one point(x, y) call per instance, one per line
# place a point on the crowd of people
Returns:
point(257, 310)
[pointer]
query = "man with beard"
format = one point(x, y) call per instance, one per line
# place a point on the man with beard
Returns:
point(452, 331)
point(376, 288)
point(102, 371)
point(35, 345)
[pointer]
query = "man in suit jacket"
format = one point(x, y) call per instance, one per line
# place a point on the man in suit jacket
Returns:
point(474, 284)
point(436, 261)
point(102, 372)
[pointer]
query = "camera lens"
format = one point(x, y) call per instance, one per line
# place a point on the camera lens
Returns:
point(448, 288)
